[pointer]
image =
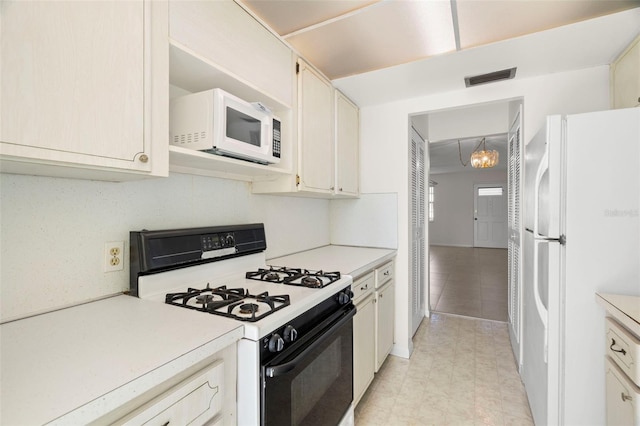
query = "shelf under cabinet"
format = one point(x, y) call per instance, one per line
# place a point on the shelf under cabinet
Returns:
point(183, 160)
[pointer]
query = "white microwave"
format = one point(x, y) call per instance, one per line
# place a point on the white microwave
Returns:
point(220, 123)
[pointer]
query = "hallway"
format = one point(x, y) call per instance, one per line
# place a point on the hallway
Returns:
point(469, 281)
point(461, 372)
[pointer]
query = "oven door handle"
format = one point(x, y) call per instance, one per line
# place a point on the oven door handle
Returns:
point(279, 370)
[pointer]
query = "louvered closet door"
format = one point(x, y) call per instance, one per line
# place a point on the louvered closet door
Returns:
point(513, 245)
point(418, 280)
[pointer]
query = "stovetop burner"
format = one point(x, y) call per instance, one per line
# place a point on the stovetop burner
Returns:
point(294, 276)
point(234, 303)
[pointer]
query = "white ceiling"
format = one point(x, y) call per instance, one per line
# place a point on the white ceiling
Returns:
point(411, 48)
point(344, 38)
point(397, 46)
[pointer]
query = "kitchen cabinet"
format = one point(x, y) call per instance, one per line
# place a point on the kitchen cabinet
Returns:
point(124, 358)
point(622, 349)
point(384, 312)
point(625, 77)
point(84, 89)
point(197, 400)
point(246, 60)
point(347, 124)
point(315, 131)
point(243, 47)
point(327, 147)
point(363, 336)
point(622, 397)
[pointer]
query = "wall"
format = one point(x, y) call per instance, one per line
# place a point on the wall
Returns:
point(459, 123)
point(453, 206)
point(385, 136)
point(53, 230)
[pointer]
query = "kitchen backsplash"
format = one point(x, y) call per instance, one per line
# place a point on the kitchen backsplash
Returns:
point(53, 231)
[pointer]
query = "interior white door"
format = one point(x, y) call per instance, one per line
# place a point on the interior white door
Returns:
point(490, 215)
point(514, 225)
point(417, 233)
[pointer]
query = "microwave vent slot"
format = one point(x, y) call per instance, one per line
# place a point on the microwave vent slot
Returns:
point(189, 138)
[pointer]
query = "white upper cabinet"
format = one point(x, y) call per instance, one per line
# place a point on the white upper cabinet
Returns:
point(217, 44)
point(224, 34)
point(84, 89)
point(347, 146)
point(625, 77)
point(315, 131)
point(327, 148)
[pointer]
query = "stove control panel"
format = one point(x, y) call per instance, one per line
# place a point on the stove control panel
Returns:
point(217, 245)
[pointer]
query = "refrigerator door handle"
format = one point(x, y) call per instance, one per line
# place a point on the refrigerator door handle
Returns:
point(543, 166)
point(543, 313)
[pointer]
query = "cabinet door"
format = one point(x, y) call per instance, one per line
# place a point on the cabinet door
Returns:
point(347, 146)
point(384, 322)
point(622, 398)
point(626, 77)
point(315, 131)
point(363, 348)
point(74, 80)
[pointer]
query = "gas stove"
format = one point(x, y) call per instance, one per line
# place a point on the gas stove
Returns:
point(294, 276)
point(236, 303)
point(292, 317)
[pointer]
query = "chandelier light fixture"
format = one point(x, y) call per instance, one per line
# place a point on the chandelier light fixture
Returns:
point(481, 158)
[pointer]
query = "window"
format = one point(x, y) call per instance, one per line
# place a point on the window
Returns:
point(431, 197)
point(486, 192)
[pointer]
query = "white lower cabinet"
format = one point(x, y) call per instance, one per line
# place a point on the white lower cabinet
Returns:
point(196, 401)
point(363, 336)
point(373, 325)
point(384, 313)
point(622, 351)
point(622, 397)
point(363, 348)
point(206, 397)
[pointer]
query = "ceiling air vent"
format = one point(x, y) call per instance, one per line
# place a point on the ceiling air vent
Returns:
point(490, 77)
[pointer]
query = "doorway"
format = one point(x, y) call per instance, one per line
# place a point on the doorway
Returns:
point(468, 258)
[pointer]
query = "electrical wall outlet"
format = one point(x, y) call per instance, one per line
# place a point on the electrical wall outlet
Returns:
point(114, 256)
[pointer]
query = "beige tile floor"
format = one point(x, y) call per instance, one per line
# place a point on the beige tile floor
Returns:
point(469, 281)
point(461, 372)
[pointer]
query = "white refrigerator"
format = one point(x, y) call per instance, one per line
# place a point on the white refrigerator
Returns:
point(582, 236)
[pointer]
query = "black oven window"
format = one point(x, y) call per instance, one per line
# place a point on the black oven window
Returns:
point(308, 388)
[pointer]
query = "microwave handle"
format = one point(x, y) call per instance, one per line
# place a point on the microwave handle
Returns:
point(279, 370)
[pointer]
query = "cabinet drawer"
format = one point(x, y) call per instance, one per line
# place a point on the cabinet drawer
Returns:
point(362, 286)
point(623, 397)
point(384, 274)
point(195, 401)
point(624, 349)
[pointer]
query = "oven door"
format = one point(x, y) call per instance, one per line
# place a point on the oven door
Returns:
point(311, 382)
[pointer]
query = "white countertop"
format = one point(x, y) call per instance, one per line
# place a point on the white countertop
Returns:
point(85, 361)
point(348, 260)
point(625, 309)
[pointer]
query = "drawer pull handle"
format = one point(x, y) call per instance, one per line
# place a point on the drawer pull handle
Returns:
point(625, 397)
point(386, 273)
point(622, 351)
point(365, 287)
